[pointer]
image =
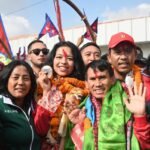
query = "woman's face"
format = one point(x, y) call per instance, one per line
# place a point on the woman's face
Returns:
point(19, 83)
point(63, 61)
point(90, 53)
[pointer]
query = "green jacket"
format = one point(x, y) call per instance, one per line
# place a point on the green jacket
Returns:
point(16, 127)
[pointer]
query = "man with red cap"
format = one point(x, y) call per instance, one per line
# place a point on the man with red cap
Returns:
point(122, 54)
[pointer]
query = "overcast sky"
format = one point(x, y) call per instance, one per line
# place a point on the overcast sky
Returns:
point(28, 16)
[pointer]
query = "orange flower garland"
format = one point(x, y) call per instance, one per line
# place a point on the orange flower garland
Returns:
point(137, 75)
point(65, 85)
point(87, 123)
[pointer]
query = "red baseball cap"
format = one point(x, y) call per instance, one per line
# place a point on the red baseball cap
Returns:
point(120, 37)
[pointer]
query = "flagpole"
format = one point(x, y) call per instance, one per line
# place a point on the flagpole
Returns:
point(83, 17)
point(58, 14)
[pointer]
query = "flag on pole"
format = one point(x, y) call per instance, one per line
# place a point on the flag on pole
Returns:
point(5, 48)
point(94, 29)
point(49, 28)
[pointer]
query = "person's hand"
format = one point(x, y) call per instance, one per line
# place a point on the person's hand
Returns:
point(136, 101)
point(95, 37)
point(71, 108)
point(77, 115)
point(44, 82)
point(69, 103)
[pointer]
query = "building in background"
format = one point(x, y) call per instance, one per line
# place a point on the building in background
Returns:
point(139, 28)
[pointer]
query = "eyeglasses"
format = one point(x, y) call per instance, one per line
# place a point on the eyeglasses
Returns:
point(37, 51)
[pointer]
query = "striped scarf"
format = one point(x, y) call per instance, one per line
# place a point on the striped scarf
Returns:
point(97, 106)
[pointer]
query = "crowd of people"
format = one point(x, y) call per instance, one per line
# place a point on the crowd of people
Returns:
point(89, 102)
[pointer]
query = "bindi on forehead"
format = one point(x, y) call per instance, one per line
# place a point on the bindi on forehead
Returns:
point(64, 53)
point(95, 73)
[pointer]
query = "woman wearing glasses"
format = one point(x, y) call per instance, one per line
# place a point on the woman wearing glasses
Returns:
point(68, 67)
point(37, 55)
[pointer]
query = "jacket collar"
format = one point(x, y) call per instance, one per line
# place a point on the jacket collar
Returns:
point(7, 100)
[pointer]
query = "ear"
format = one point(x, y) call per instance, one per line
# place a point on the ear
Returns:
point(28, 57)
point(109, 57)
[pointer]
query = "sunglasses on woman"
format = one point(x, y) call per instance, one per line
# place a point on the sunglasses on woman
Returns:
point(37, 51)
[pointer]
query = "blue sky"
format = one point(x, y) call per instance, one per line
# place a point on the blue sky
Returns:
point(28, 16)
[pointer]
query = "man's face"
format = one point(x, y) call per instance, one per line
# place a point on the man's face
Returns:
point(38, 59)
point(122, 58)
point(98, 82)
point(90, 53)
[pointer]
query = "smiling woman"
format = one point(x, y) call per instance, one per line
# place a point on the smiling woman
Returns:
point(67, 66)
point(19, 84)
point(16, 107)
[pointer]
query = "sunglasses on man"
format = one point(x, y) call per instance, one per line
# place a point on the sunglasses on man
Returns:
point(37, 51)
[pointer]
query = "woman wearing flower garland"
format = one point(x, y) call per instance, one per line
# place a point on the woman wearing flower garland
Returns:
point(68, 67)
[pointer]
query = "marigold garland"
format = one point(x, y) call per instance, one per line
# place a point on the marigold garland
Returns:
point(137, 75)
point(87, 123)
point(65, 85)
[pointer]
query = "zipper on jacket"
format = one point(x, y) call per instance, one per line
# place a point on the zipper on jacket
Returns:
point(28, 120)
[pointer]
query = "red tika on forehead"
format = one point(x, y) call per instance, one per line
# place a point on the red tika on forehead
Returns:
point(95, 72)
point(65, 54)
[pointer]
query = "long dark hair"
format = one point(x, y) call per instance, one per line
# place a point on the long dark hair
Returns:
point(4, 77)
point(78, 71)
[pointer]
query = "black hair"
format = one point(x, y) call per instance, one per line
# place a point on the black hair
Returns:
point(101, 65)
point(34, 41)
point(90, 44)
point(78, 71)
point(4, 77)
point(147, 66)
point(139, 52)
point(1, 66)
point(140, 60)
point(104, 56)
point(148, 63)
